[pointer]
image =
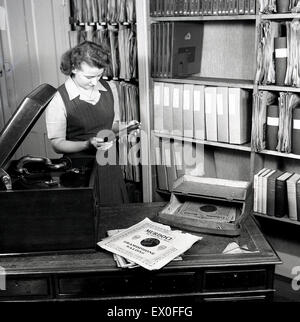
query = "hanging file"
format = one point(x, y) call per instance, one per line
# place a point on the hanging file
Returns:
point(239, 116)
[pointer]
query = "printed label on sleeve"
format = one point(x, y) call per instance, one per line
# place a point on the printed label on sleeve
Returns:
point(273, 121)
point(281, 53)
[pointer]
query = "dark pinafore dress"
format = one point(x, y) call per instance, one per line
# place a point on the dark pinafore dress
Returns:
point(85, 120)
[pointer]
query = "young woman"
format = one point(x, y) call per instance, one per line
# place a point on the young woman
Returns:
point(82, 107)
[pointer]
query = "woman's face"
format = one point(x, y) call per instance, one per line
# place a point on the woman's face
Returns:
point(87, 76)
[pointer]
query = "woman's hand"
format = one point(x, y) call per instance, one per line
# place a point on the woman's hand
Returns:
point(99, 143)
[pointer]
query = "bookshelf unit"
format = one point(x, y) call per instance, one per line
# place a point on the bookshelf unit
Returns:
point(225, 62)
point(114, 26)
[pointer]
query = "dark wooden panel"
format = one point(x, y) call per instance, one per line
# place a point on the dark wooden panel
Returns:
point(45, 220)
point(143, 283)
point(221, 280)
point(26, 287)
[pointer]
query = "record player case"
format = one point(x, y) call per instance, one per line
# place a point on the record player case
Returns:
point(49, 217)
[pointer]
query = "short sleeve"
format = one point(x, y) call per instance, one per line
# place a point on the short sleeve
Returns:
point(56, 122)
point(115, 94)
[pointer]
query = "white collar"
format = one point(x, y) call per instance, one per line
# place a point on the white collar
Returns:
point(73, 90)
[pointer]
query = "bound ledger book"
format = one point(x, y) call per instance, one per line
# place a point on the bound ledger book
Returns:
point(176, 49)
point(271, 193)
point(291, 184)
point(281, 205)
point(272, 127)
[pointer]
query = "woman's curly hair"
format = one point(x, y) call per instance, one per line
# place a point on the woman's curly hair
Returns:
point(95, 55)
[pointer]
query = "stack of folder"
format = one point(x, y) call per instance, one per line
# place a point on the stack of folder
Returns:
point(220, 114)
point(275, 122)
point(287, 103)
point(267, 31)
point(292, 77)
point(122, 42)
point(167, 8)
point(276, 193)
point(102, 11)
point(278, 53)
point(175, 49)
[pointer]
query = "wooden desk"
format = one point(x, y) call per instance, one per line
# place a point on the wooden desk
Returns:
point(204, 274)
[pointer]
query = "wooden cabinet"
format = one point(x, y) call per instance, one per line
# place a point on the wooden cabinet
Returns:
point(204, 274)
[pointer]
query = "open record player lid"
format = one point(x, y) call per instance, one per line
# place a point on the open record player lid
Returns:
point(231, 190)
point(22, 121)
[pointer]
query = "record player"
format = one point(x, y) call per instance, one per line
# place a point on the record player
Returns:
point(45, 205)
point(207, 205)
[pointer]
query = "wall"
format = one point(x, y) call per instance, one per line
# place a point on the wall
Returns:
point(35, 37)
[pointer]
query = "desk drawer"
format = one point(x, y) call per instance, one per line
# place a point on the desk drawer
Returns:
point(135, 284)
point(217, 280)
point(26, 287)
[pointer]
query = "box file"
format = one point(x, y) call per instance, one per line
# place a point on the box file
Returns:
point(239, 116)
point(188, 112)
point(161, 172)
point(158, 106)
point(291, 184)
point(199, 113)
point(167, 109)
point(177, 101)
point(211, 123)
point(222, 114)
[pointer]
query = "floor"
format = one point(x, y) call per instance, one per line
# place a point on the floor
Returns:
point(284, 290)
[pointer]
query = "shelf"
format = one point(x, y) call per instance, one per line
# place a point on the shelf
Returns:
point(243, 147)
point(283, 219)
point(281, 154)
point(279, 88)
point(205, 18)
point(280, 16)
point(210, 81)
